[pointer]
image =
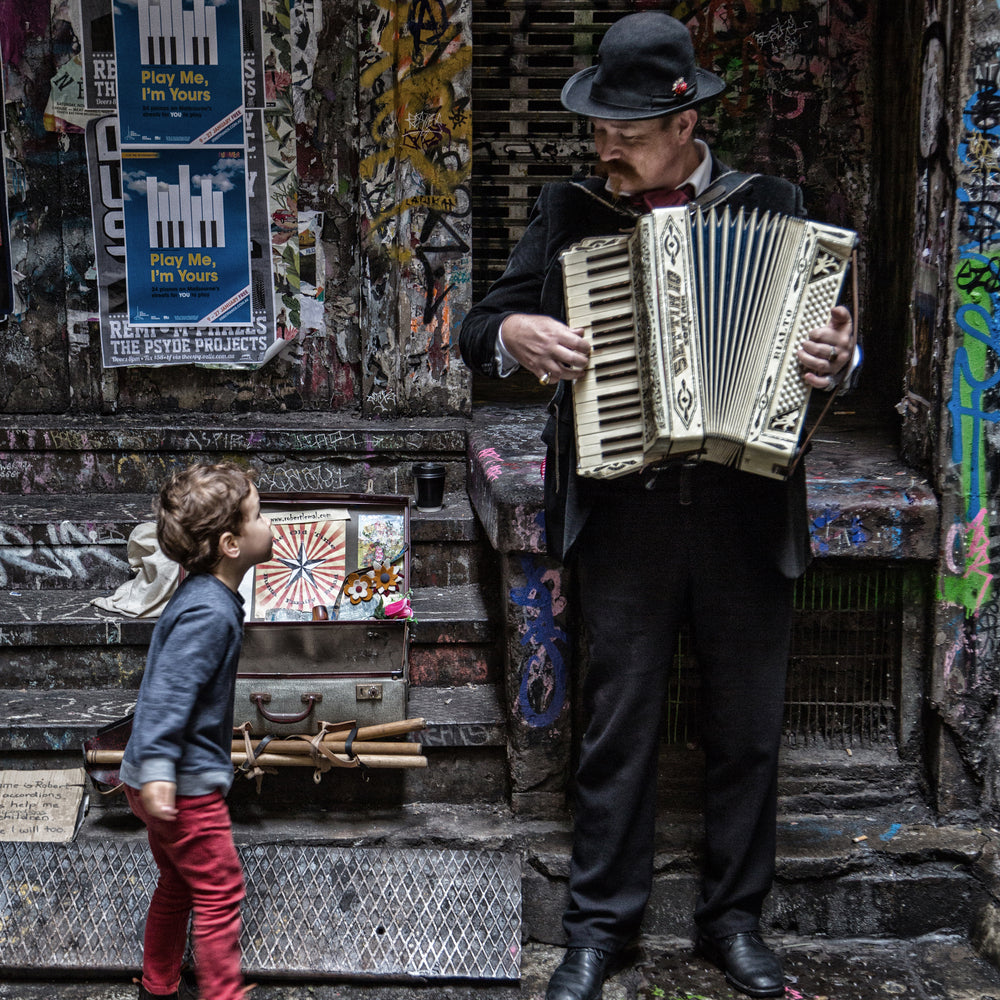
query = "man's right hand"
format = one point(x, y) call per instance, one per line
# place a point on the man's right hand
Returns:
point(158, 799)
point(545, 346)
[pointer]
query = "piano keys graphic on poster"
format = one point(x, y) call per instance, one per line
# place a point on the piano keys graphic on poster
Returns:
point(100, 77)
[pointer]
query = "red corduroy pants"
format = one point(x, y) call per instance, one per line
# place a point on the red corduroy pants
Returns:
point(199, 870)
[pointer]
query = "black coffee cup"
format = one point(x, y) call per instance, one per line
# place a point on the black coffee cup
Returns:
point(428, 478)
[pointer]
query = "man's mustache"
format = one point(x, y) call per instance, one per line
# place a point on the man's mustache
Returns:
point(617, 174)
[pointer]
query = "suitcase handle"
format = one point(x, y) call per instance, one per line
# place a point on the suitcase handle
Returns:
point(260, 699)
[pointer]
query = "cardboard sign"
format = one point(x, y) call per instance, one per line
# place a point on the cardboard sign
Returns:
point(38, 806)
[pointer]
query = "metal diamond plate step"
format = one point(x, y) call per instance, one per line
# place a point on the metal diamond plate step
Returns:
point(310, 911)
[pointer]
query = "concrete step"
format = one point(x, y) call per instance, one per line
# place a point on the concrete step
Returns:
point(863, 503)
point(44, 453)
point(933, 967)
point(853, 876)
point(464, 744)
point(60, 719)
point(52, 639)
point(79, 541)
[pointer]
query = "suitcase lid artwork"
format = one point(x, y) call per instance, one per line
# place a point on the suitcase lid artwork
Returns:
point(322, 604)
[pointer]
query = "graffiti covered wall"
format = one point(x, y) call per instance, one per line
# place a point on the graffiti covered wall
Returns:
point(798, 102)
point(367, 148)
point(415, 166)
point(959, 285)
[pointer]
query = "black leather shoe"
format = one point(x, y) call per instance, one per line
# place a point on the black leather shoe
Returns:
point(579, 976)
point(750, 966)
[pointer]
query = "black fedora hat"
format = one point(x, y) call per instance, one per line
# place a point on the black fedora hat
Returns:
point(645, 68)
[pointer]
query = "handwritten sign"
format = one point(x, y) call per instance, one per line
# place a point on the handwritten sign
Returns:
point(38, 806)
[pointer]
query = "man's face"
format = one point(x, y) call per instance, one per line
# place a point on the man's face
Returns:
point(639, 155)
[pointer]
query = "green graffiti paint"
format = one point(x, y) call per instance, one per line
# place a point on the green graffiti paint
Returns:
point(974, 585)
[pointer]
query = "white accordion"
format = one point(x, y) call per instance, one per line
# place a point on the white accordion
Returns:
point(694, 321)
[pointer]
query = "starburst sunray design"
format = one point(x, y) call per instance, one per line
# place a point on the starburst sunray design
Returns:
point(305, 569)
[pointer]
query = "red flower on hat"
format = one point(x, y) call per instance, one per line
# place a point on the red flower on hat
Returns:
point(680, 87)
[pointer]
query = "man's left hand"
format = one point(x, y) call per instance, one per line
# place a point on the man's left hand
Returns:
point(828, 349)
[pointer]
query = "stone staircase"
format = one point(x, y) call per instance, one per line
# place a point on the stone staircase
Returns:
point(68, 666)
point(860, 852)
point(71, 493)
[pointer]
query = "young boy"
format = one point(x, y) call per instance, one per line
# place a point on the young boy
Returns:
point(177, 766)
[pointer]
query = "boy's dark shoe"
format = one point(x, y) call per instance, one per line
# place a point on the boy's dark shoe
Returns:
point(188, 989)
point(144, 994)
point(184, 992)
point(750, 966)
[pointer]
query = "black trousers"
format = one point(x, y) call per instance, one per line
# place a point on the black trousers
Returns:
point(648, 559)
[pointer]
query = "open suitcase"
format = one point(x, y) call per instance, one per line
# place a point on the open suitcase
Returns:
point(316, 647)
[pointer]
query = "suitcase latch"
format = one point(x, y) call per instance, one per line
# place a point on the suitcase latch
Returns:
point(368, 692)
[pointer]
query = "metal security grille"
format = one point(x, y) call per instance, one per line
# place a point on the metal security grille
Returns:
point(843, 677)
point(522, 54)
point(843, 674)
point(310, 910)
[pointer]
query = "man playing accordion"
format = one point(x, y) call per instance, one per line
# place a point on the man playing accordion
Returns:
point(719, 547)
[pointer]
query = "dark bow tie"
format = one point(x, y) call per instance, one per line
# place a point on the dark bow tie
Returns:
point(646, 201)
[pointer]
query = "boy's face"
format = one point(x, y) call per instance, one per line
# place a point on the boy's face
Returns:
point(256, 540)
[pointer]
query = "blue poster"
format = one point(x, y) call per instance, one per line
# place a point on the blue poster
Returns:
point(180, 72)
point(123, 344)
point(186, 236)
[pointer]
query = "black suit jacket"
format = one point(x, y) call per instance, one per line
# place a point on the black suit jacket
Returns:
point(532, 283)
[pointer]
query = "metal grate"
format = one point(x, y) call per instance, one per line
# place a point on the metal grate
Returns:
point(522, 54)
point(310, 910)
point(843, 687)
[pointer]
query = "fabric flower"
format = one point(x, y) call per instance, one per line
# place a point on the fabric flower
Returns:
point(358, 587)
point(385, 578)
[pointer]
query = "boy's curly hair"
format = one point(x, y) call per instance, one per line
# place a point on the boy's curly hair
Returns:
point(197, 506)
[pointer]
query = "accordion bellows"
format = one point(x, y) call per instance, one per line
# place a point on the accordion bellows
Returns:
point(694, 321)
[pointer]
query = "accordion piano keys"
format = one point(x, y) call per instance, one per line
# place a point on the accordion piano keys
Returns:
point(606, 399)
